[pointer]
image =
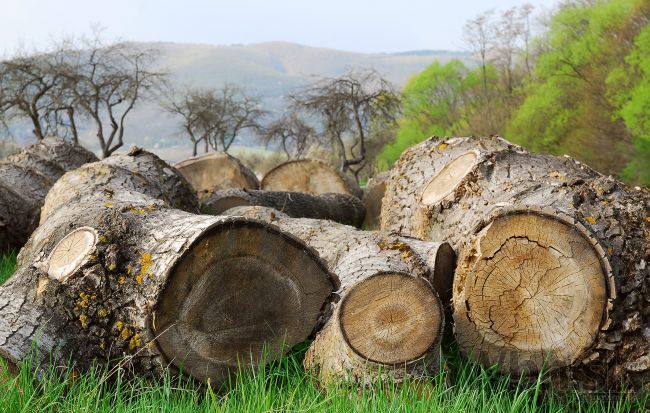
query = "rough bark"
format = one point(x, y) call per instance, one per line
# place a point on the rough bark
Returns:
point(216, 171)
point(311, 176)
point(553, 256)
point(342, 208)
point(138, 170)
point(25, 179)
point(389, 320)
point(372, 198)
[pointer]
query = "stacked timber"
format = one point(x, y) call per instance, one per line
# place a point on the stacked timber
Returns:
point(552, 270)
point(25, 179)
point(115, 273)
point(311, 176)
point(342, 208)
point(388, 320)
point(216, 171)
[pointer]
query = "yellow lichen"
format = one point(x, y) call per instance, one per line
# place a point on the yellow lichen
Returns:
point(129, 268)
point(102, 312)
point(136, 210)
point(119, 325)
point(121, 280)
point(103, 239)
point(83, 318)
point(112, 266)
point(591, 220)
point(108, 204)
point(647, 219)
point(146, 264)
point(442, 147)
point(126, 333)
point(135, 341)
point(138, 279)
point(610, 249)
point(398, 246)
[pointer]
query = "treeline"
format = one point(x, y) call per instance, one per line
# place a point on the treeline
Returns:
point(581, 87)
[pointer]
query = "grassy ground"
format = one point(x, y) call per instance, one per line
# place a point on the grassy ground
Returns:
point(284, 386)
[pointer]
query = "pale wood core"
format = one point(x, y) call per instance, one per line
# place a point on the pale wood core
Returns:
point(391, 318)
point(533, 295)
point(310, 176)
point(240, 293)
point(71, 253)
point(213, 172)
point(445, 182)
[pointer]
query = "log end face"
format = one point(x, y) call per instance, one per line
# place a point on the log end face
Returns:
point(531, 293)
point(72, 252)
point(241, 293)
point(391, 318)
point(446, 182)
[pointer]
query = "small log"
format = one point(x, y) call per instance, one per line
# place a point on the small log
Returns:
point(117, 274)
point(372, 198)
point(311, 176)
point(342, 208)
point(216, 171)
point(25, 179)
point(138, 171)
point(389, 320)
point(552, 254)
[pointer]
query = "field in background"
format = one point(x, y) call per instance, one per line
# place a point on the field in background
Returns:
point(285, 386)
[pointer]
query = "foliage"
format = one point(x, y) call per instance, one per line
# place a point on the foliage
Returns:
point(7, 266)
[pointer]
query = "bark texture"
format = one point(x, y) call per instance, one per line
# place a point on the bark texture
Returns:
point(311, 176)
point(553, 257)
point(25, 179)
point(372, 198)
point(216, 171)
point(138, 171)
point(389, 320)
point(342, 208)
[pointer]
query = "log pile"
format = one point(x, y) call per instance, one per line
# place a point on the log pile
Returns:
point(114, 271)
point(552, 257)
point(25, 179)
point(388, 321)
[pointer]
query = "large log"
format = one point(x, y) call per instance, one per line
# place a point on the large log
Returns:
point(311, 176)
point(138, 170)
point(372, 199)
point(118, 274)
point(343, 208)
point(25, 179)
point(552, 257)
point(216, 171)
point(389, 320)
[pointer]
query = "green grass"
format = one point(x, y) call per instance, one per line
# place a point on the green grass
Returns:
point(7, 266)
point(285, 386)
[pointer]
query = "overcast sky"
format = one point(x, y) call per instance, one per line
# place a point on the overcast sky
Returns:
point(355, 25)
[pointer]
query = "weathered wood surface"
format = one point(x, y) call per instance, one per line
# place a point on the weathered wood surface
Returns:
point(25, 179)
point(342, 208)
point(389, 320)
point(311, 176)
point(372, 199)
point(552, 257)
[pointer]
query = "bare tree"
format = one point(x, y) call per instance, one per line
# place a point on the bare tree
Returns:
point(214, 117)
point(292, 133)
point(479, 36)
point(347, 107)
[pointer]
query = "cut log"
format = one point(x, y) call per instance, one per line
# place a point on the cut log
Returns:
point(118, 274)
point(311, 176)
point(372, 198)
point(25, 179)
point(342, 208)
point(216, 171)
point(552, 257)
point(138, 171)
point(389, 320)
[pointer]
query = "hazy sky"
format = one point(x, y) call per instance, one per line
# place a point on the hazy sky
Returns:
point(356, 25)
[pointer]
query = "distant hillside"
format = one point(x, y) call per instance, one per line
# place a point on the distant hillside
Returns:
point(268, 70)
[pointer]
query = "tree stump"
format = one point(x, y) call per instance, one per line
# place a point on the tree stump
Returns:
point(552, 257)
point(311, 176)
point(25, 179)
point(216, 171)
point(342, 208)
point(389, 320)
point(372, 198)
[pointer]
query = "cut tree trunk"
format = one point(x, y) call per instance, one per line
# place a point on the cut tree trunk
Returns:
point(389, 320)
point(216, 171)
point(138, 171)
point(372, 198)
point(25, 179)
point(311, 176)
point(552, 268)
point(342, 208)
